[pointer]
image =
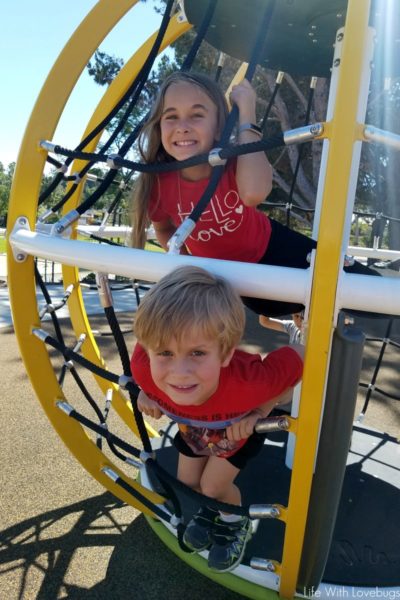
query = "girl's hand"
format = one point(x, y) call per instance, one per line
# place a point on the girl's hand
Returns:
point(244, 96)
point(147, 406)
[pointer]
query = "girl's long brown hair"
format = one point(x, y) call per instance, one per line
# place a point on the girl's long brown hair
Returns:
point(151, 150)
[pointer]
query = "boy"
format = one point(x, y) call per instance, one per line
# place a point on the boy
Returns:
point(293, 328)
point(186, 362)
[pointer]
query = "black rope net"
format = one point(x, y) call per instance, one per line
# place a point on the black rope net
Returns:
point(115, 183)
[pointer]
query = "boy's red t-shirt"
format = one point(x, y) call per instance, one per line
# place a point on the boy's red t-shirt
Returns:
point(226, 230)
point(244, 384)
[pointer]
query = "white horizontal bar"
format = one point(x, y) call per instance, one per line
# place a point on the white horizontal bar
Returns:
point(358, 292)
point(257, 281)
point(380, 136)
point(374, 294)
point(374, 253)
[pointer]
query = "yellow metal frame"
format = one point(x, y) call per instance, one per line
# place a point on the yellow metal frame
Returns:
point(70, 274)
point(342, 133)
point(23, 202)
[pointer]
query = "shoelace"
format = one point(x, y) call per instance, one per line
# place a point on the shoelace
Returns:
point(206, 517)
point(226, 532)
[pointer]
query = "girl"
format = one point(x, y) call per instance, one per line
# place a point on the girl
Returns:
point(187, 119)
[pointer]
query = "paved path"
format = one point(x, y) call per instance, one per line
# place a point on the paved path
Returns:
point(62, 535)
point(124, 299)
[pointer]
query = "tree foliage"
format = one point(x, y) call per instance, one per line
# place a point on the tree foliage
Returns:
point(6, 175)
point(104, 68)
point(296, 168)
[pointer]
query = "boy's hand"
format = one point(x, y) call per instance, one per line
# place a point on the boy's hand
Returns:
point(147, 406)
point(243, 428)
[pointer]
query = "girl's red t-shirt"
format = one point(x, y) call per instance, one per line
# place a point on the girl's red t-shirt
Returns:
point(226, 230)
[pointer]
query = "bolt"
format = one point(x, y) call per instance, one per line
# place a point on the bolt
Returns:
point(22, 221)
point(20, 257)
point(315, 129)
point(336, 62)
point(339, 37)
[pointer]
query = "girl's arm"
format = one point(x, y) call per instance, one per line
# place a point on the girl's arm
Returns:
point(253, 171)
point(164, 231)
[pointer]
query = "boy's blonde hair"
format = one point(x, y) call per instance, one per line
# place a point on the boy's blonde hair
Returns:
point(190, 298)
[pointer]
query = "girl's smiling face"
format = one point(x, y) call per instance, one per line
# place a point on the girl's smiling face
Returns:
point(188, 372)
point(189, 122)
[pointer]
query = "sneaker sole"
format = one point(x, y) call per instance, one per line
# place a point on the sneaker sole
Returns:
point(193, 549)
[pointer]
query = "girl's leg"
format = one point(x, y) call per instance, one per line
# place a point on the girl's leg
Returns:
point(286, 248)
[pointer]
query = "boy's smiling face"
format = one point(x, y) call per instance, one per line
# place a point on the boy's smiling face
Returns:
point(188, 372)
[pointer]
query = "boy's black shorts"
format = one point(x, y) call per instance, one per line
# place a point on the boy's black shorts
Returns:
point(239, 460)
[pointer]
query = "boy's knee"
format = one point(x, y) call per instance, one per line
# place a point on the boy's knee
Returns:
point(191, 482)
point(212, 489)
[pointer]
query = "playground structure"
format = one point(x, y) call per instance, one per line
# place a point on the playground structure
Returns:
point(324, 288)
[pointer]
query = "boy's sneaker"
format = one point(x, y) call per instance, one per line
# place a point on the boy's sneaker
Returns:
point(197, 535)
point(229, 543)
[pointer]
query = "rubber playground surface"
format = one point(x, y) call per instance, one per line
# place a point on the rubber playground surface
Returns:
point(63, 535)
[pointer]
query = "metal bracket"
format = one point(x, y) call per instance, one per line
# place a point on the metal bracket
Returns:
point(180, 15)
point(20, 223)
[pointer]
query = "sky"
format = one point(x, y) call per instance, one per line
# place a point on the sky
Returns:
point(32, 36)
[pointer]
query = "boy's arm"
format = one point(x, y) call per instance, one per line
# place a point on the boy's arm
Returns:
point(147, 406)
point(269, 323)
point(245, 427)
point(253, 171)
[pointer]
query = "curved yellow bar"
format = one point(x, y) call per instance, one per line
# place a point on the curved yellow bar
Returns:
point(239, 75)
point(21, 282)
point(70, 274)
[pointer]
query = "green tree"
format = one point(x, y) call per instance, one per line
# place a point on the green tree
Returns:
point(104, 68)
point(6, 175)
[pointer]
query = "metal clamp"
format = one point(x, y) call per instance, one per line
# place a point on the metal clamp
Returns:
point(111, 161)
point(214, 158)
point(264, 511)
point(181, 234)
point(104, 290)
point(64, 223)
point(124, 380)
point(303, 134)
point(46, 145)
